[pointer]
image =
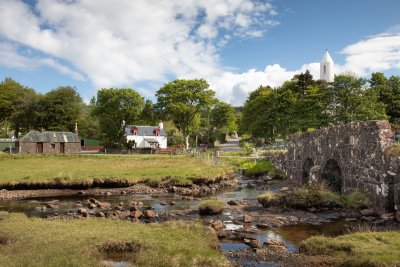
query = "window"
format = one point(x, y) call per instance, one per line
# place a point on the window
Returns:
point(134, 131)
point(53, 145)
point(324, 69)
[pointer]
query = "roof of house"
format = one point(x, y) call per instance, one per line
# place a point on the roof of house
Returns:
point(51, 137)
point(148, 130)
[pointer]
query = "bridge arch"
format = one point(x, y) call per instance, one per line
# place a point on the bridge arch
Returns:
point(307, 165)
point(332, 175)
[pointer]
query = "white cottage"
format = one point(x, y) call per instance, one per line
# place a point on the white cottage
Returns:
point(147, 136)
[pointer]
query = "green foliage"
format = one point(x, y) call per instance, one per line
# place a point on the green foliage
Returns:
point(259, 167)
point(223, 116)
point(357, 249)
point(183, 100)
point(303, 103)
point(92, 242)
point(356, 200)
point(116, 108)
point(59, 109)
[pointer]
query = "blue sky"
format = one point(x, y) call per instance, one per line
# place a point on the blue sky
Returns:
point(236, 45)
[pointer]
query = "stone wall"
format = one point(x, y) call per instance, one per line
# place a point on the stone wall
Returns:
point(69, 148)
point(347, 157)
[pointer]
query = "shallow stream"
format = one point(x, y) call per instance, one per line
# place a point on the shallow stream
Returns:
point(291, 235)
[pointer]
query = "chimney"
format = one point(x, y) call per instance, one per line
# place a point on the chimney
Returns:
point(161, 125)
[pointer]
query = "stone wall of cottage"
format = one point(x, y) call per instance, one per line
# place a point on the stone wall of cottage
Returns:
point(69, 148)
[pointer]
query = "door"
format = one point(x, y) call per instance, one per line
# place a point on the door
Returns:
point(39, 148)
point(62, 147)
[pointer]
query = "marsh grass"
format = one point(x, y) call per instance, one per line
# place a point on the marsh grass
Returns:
point(102, 169)
point(38, 242)
point(358, 249)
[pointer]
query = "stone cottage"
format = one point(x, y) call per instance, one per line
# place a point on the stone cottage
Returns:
point(48, 142)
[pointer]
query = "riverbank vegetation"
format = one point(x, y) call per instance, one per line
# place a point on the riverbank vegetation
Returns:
point(304, 104)
point(99, 242)
point(88, 169)
point(393, 150)
point(358, 249)
point(314, 196)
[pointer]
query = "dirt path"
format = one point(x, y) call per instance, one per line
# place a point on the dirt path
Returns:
point(232, 144)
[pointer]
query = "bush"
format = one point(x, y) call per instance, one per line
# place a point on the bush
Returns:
point(211, 207)
point(356, 200)
point(269, 199)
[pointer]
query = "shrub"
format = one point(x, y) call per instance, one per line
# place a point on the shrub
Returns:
point(211, 207)
point(356, 200)
point(269, 199)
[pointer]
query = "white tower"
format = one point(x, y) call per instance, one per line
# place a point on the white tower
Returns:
point(326, 68)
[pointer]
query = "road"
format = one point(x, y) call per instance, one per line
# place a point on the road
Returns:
point(232, 144)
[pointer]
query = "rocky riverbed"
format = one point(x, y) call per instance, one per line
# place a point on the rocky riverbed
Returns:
point(250, 235)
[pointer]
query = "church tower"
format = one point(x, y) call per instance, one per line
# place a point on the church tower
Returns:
point(326, 68)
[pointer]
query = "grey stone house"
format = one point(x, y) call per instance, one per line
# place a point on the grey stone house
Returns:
point(48, 142)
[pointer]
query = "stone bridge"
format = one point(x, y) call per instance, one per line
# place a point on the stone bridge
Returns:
point(347, 157)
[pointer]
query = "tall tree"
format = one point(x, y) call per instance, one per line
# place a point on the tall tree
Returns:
point(182, 101)
point(17, 104)
point(116, 108)
point(59, 109)
point(351, 101)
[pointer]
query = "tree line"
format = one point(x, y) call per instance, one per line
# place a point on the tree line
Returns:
point(304, 104)
point(188, 108)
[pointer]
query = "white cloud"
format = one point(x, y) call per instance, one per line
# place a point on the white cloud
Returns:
point(117, 43)
point(375, 53)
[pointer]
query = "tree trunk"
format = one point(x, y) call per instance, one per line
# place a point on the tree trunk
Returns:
point(187, 141)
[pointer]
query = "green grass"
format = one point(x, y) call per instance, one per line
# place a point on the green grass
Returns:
point(38, 242)
point(314, 196)
point(393, 150)
point(133, 168)
point(358, 249)
point(211, 206)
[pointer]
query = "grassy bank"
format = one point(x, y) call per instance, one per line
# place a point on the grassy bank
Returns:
point(37, 242)
point(358, 249)
point(314, 196)
point(89, 169)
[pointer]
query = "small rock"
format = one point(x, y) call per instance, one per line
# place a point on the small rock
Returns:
point(233, 202)
point(100, 214)
point(82, 211)
point(163, 203)
point(312, 209)
point(247, 218)
point(367, 212)
point(103, 205)
point(108, 193)
point(368, 218)
point(254, 243)
point(123, 192)
point(51, 206)
point(118, 208)
point(134, 208)
point(263, 226)
point(81, 193)
point(217, 225)
point(397, 216)
point(387, 216)
point(172, 203)
point(121, 204)
point(284, 189)
point(136, 214)
point(271, 242)
point(92, 206)
point(149, 214)
point(150, 207)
